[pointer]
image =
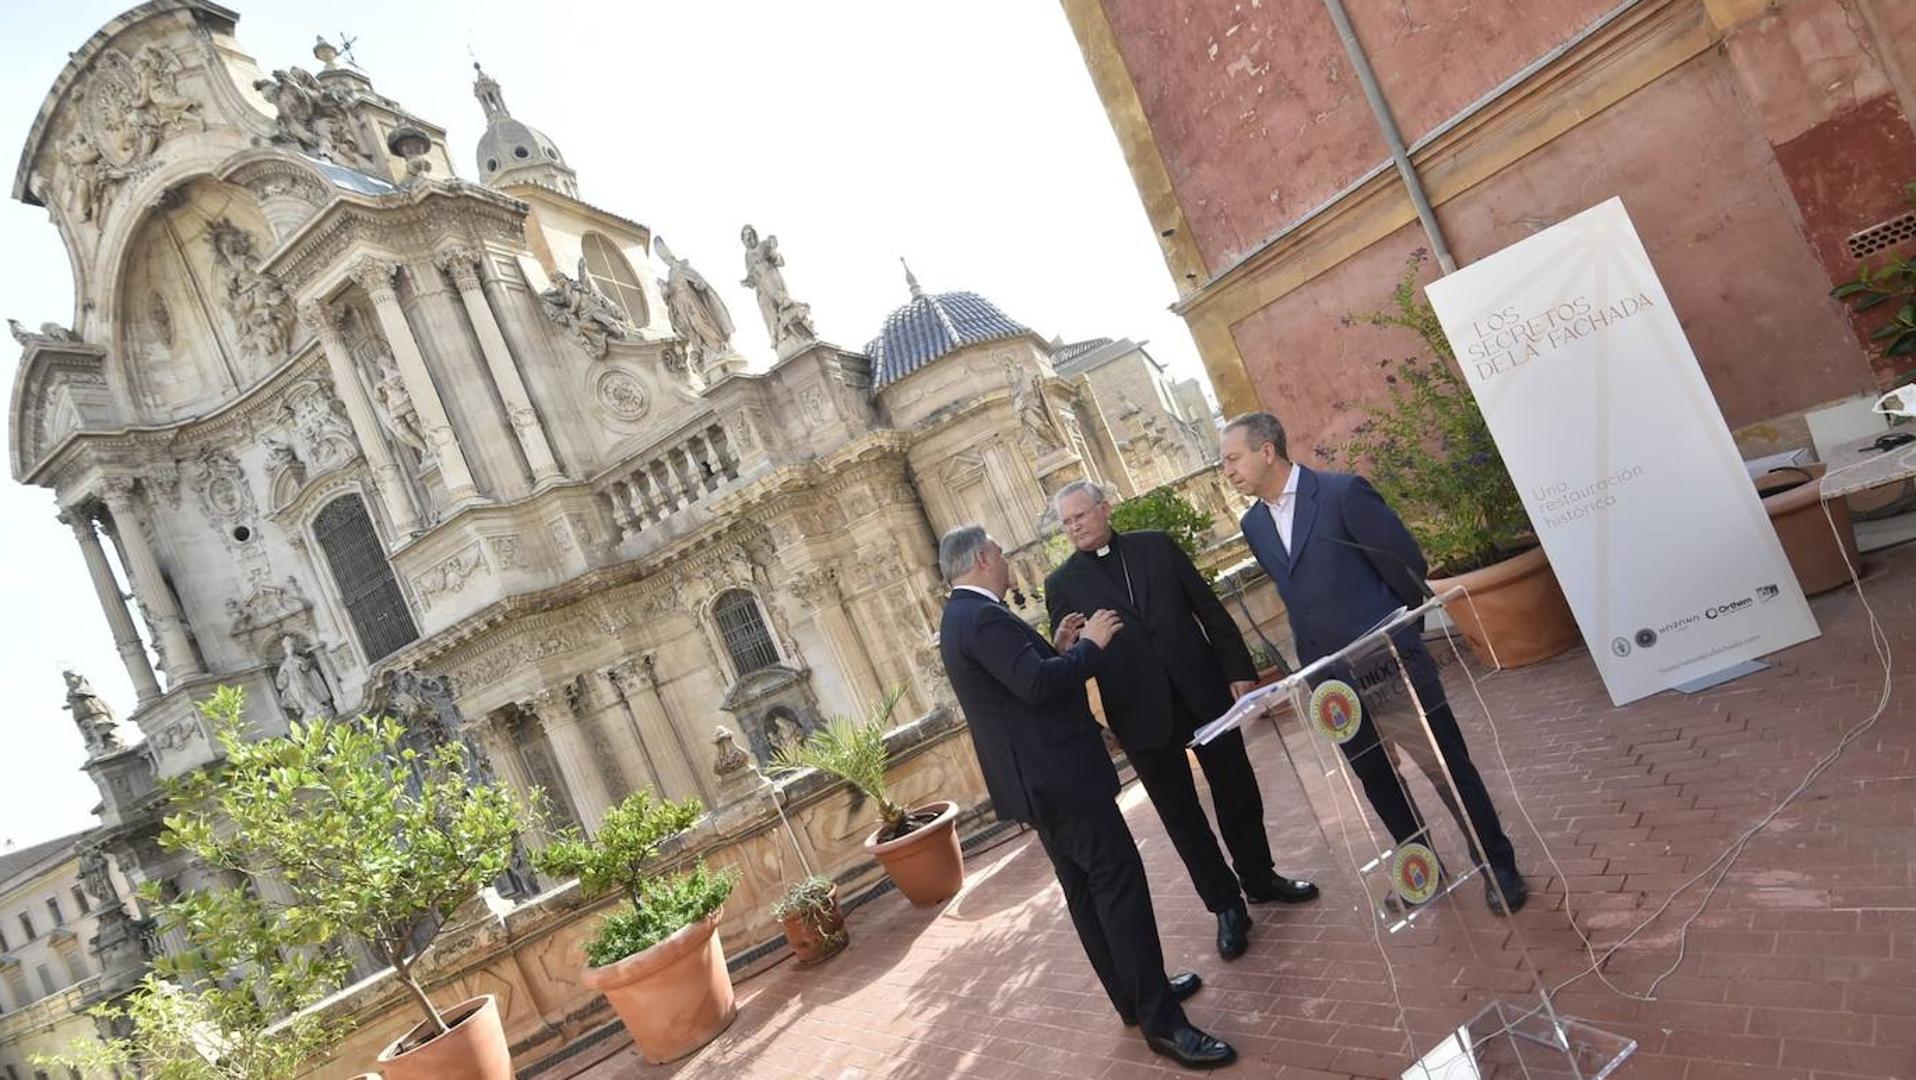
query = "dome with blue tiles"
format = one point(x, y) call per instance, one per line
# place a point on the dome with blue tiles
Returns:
point(934, 325)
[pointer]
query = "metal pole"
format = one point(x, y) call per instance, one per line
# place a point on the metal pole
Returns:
point(1380, 109)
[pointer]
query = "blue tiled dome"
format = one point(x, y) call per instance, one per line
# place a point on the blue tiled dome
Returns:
point(931, 326)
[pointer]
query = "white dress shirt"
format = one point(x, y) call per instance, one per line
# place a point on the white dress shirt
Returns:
point(981, 591)
point(1284, 508)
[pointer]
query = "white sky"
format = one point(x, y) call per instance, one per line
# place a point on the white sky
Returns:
point(966, 137)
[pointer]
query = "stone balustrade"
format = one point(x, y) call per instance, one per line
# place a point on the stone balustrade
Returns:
point(670, 477)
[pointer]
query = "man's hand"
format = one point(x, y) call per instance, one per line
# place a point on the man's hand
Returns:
point(1068, 631)
point(1101, 627)
point(1242, 687)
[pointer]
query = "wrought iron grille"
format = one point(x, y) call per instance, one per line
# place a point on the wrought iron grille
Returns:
point(364, 577)
point(744, 631)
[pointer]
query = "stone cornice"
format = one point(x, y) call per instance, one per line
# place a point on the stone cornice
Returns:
point(407, 224)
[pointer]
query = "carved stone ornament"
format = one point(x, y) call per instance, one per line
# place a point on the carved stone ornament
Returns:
point(317, 119)
point(584, 313)
point(267, 606)
point(728, 758)
point(1034, 416)
point(621, 394)
point(451, 575)
point(319, 424)
point(259, 306)
point(220, 486)
point(787, 322)
point(134, 104)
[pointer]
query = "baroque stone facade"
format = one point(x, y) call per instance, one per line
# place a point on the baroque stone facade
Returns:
point(365, 436)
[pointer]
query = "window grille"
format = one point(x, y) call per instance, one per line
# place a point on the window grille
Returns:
point(363, 577)
point(743, 628)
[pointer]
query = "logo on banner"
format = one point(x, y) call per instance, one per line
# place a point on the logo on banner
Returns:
point(1414, 874)
point(1646, 637)
point(1620, 646)
point(1767, 593)
point(1337, 710)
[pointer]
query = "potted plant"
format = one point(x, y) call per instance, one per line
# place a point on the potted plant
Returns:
point(365, 836)
point(657, 959)
point(918, 848)
point(1428, 451)
point(814, 926)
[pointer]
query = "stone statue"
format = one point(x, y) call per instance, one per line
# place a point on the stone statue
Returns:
point(88, 174)
point(698, 314)
point(727, 758)
point(396, 409)
point(312, 117)
point(302, 686)
point(787, 321)
point(49, 331)
point(97, 879)
point(1028, 404)
point(261, 310)
point(786, 734)
point(280, 457)
point(92, 715)
point(155, 103)
point(586, 315)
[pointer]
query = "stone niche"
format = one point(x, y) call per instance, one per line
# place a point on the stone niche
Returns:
point(772, 705)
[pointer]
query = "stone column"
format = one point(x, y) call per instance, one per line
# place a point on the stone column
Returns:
point(394, 492)
point(495, 738)
point(616, 680)
point(819, 590)
point(149, 585)
point(126, 635)
point(463, 266)
point(377, 279)
point(575, 754)
point(637, 676)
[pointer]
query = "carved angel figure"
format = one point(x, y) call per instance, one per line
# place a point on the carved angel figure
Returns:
point(587, 316)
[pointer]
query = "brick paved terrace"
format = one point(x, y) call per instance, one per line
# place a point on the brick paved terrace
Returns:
point(1802, 965)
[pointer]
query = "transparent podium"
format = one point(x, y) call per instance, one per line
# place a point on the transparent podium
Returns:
point(1398, 797)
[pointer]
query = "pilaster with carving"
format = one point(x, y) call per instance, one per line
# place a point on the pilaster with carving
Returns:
point(376, 278)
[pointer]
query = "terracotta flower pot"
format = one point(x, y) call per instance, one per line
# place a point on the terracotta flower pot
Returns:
point(925, 863)
point(675, 996)
point(817, 934)
point(475, 1048)
point(1794, 500)
point(1515, 612)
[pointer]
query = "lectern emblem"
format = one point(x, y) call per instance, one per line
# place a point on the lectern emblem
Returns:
point(1414, 874)
point(1337, 710)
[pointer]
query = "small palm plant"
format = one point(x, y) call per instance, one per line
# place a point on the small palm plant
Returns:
point(854, 751)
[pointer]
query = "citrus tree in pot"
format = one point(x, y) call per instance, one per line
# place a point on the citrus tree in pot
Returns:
point(1428, 451)
point(657, 959)
point(364, 836)
point(918, 848)
point(814, 925)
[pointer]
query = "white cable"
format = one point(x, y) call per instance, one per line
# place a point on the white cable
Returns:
point(1722, 864)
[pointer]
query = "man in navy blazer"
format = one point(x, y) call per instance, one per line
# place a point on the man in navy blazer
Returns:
point(1044, 763)
point(1343, 561)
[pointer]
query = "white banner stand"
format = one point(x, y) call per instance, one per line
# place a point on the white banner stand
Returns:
point(1364, 717)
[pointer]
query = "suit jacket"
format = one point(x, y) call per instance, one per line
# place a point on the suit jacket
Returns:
point(1177, 641)
point(1336, 592)
point(1042, 754)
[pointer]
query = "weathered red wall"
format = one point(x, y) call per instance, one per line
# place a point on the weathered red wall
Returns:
point(1713, 208)
point(1260, 118)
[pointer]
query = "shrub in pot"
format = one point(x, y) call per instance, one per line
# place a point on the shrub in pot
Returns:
point(211, 1032)
point(1428, 451)
point(918, 848)
point(365, 836)
point(814, 926)
point(658, 958)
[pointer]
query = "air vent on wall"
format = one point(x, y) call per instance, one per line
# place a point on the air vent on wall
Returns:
point(1882, 237)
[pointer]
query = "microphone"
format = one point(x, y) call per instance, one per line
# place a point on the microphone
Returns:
point(1416, 580)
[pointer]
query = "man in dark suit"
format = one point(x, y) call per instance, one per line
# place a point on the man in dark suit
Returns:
point(1343, 561)
point(1044, 763)
point(1180, 664)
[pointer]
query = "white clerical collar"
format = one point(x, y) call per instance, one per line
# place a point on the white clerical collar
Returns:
point(981, 591)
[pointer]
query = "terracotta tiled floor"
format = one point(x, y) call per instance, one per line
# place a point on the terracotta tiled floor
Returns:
point(1802, 965)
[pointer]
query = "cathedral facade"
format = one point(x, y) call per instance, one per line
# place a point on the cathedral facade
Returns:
point(356, 434)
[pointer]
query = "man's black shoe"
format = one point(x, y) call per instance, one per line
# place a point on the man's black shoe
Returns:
point(1183, 985)
point(1192, 1048)
point(1515, 892)
point(1233, 932)
point(1280, 889)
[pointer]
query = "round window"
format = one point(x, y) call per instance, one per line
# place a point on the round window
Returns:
point(520, 151)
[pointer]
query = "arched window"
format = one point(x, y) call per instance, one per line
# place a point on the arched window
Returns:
point(363, 577)
point(744, 631)
point(614, 277)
